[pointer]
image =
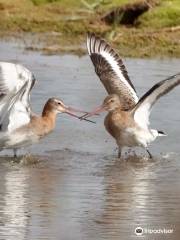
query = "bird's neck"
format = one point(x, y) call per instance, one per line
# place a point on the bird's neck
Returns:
point(115, 109)
point(49, 118)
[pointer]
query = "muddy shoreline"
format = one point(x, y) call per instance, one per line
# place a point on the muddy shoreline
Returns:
point(48, 44)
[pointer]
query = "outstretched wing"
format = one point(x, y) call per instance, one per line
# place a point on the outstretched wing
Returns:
point(142, 109)
point(16, 82)
point(111, 70)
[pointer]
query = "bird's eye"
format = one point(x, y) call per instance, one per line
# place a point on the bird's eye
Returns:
point(59, 103)
point(112, 101)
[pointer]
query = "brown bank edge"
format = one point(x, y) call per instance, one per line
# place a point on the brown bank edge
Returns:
point(128, 42)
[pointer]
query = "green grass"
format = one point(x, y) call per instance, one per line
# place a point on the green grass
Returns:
point(166, 15)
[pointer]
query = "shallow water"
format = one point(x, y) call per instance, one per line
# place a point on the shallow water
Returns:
point(74, 187)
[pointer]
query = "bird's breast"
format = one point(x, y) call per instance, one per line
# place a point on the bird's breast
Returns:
point(41, 126)
point(116, 122)
point(126, 133)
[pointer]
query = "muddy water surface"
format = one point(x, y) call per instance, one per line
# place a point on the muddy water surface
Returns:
point(77, 188)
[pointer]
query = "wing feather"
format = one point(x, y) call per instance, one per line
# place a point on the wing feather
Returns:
point(16, 82)
point(111, 70)
point(143, 108)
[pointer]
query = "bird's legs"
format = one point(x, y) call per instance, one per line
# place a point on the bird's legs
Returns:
point(119, 152)
point(150, 155)
point(15, 153)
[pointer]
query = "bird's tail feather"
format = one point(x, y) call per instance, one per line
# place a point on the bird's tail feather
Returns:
point(161, 133)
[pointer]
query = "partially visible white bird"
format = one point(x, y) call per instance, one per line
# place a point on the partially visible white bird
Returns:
point(19, 127)
point(128, 117)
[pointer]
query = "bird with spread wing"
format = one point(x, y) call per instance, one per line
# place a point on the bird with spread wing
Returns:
point(19, 126)
point(127, 120)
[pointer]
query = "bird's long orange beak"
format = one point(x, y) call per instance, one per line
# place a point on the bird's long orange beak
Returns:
point(76, 110)
point(70, 111)
point(96, 111)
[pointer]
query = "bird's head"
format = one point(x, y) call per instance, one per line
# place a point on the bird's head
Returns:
point(110, 103)
point(56, 106)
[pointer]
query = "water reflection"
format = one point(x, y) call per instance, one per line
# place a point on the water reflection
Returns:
point(136, 194)
point(14, 208)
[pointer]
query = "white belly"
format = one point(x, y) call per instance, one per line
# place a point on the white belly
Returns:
point(17, 140)
point(131, 137)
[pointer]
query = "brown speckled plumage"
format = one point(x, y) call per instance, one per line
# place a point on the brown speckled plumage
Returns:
point(113, 83)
